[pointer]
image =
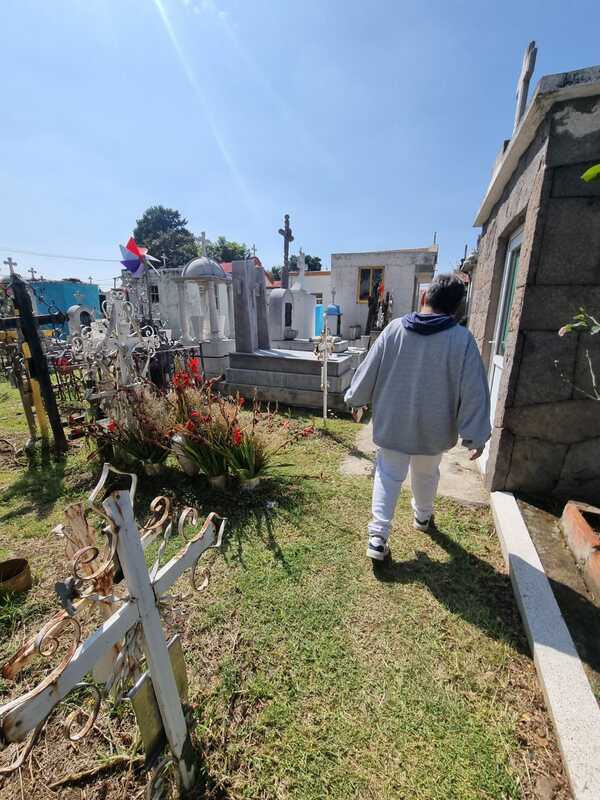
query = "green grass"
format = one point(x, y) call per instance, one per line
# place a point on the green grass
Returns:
point(311, 675)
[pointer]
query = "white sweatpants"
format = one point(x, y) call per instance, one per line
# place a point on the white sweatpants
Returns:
point(390, 473)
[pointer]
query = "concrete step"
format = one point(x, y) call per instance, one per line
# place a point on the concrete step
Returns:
point(300, 398)
point(290, 361)
point(288, 380)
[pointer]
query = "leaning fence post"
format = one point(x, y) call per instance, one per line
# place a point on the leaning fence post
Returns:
point(131, 555)
point(36, 358)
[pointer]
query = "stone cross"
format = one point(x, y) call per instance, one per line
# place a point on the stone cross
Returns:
point(11, 265)
point(32, 271)
point(301, 266)
point(286, 232)
point(523, 83)
point(203, 243)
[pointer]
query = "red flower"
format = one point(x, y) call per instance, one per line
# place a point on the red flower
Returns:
point(190, 425)
point(241, 401)
point(193, 365)
point(112, 426)
point(308, 431)
point(181, 380)
point(237, 437)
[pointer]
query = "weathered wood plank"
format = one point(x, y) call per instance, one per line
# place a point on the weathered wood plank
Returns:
point(131, 555)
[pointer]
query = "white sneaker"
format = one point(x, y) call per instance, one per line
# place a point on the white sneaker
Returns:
point(378, 548)
point(422, 524)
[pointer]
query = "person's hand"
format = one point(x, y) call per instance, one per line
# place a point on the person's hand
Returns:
point(357, 413)
point(474, 454)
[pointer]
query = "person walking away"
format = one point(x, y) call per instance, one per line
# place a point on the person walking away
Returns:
point(427, 385)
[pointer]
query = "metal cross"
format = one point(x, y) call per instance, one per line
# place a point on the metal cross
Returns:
point(523, 83)
point(254, 250)
point(32, 271)
point(286, 232)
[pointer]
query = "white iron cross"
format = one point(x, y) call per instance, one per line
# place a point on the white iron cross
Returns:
point(28, 714)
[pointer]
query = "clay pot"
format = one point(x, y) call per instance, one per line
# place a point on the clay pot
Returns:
point(187, 464)
point(217, 481)
point(250, 484)
point(15, 576)
point(151, 468)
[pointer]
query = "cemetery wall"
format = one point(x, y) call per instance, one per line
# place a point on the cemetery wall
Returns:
point(546, 433)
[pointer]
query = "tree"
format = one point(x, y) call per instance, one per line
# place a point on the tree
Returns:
point(224, 250)
point(163, 231)
point(313, 263)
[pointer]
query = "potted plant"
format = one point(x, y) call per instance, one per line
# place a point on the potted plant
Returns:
point(248, 458)
point(201, 441)
point(138, 434)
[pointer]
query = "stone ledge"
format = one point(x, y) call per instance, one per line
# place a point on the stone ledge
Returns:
point(287, 380)
point(289, 397)
point(569, 697)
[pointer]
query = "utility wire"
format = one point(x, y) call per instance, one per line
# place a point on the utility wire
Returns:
point(58, 255)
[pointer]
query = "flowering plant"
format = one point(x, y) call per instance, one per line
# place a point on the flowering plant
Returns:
point(139, 427)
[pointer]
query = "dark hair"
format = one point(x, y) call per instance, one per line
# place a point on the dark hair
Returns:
point(445, 294)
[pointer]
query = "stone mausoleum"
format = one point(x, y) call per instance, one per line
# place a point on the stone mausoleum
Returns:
point(538, 264)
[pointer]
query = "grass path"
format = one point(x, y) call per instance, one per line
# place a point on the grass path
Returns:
point(311, 675)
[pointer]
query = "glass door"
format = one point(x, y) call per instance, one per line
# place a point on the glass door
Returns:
point(507, 296)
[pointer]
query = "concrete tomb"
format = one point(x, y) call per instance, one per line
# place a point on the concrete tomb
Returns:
point(277, 374)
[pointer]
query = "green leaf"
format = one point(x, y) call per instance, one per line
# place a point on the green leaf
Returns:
point(591, 174)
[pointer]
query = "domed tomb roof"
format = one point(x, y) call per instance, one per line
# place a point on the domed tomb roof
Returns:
point(203, 267)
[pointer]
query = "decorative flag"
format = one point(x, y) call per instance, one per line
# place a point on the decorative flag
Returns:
point(134, 257)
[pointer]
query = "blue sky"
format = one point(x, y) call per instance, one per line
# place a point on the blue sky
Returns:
point(373, 124)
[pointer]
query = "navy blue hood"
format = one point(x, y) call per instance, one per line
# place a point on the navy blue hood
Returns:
point(426, 324)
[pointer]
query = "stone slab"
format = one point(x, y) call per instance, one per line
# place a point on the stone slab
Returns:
point(218, 348)
point(564, 422)
point(546, 357)
point(289, 361)
point(307, 345)
point(569, 697)
point(300, 398)
point(548, 308)
point(288, 380)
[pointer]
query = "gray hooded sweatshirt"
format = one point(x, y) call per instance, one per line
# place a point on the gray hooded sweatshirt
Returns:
point(427, 385)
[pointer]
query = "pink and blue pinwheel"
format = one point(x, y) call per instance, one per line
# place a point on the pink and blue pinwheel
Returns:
point(135, 257)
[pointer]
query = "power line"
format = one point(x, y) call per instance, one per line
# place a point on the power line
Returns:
point(58, 255)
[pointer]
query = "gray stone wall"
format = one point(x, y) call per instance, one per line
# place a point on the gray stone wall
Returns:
point(546, 435)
